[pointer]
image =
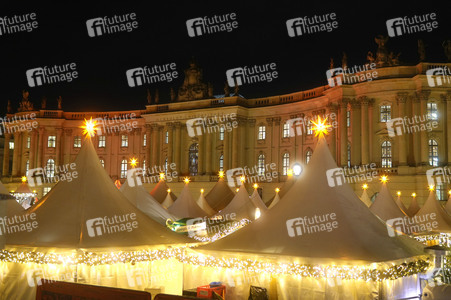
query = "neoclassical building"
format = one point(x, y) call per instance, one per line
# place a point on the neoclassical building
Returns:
point(198, 133)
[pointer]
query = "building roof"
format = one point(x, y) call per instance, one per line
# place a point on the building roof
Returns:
point(432, 206)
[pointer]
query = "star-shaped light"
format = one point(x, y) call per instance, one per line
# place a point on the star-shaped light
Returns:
point(186, 180)
point(449, 192)
point(290, 172)
point(169, 190)
point(221, 174)
point(277, 190)
point(320, 127)
point(89, 127)
point(242, 179)
point(24, 179)
point(398, 193)
point(414, 195)
point(365, 187)
point(133, 162)
point(431, 187)
point(201, 191)
point(161, 176)
point(255, 186)
point(384, 178)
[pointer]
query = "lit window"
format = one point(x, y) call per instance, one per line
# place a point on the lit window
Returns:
point(386, 154)
point(11, 145)
point(261, 132)
point(441, 191)
point(28, 142)
point(432, 111)
point(349, 155)
point(27, 167)
point(166, 137)
point(433, 153)
point(77, 141)
point(102, 162)
point(46, 190)
point(261, 165)
point(102, 141)
point(309, 127)
point(308, 155)
point(50, 168)
point(51, 141)
point(221, 133)
point(286, 130)
point(124, 140)
point(124, 168)
point(385, 113)
point(221, 162)
point(285, 163)
point(145, 140)
point(144, 166)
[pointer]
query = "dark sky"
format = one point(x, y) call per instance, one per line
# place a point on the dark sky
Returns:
point(161, 37)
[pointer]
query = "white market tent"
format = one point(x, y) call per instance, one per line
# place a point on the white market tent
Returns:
point(401, 205)
point(24, 189)
point(220, 195)
point(360, 238)
point(365, 199)
point(258, 203)
point(8, 207)
point(432, 206)
point(283, 190)
point(448, 205)
point(167, 201)
point(140, 198)
point(274, 201)
point(241, 206)
point(413, 207)
point(384, 206)
point(202, 202)
point(80, 220)
point(185, 206)
point(160, 191)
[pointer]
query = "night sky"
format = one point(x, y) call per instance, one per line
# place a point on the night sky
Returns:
point(161, 37)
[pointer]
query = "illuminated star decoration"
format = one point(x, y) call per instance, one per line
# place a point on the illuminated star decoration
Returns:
point(320, 127)
point(89, 127)
point(290, 172)
point(133, 162)
point(398, 193)
point(24, 179)
point(186, 180)
point(161, 176)
point(277, 190)
point(201, 191)
point(365, 186)
point(431, 187)
point(384, 179)
point(414, 195)
point(242, 179)
point(221, 174)
point(255, 186)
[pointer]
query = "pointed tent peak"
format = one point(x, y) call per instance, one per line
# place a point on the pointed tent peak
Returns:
point(413, 207)
point(258, 202)
point(167, 201)
point(433, 209)
point(401, 205)
point(94, 204)
point(159, 192)
point(384, 206)
point(274, 201)
point(185, 206)
point(220, 195)
point(281, 231)
point(241, 205)
point(202, 202)
point(365, 198)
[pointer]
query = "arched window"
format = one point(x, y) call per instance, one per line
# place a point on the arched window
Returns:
point(50, 168)
point(309, 127)
point(261, 132)
point(166, 137)
point(144, 166)
point(102, 162)
point(285, 163)
point(193, 159)
point(124, 168)
point(261, 164)
point(432, 111)
point(308, 155)
point(221, 162)
point(386, 155)
point(433, 153)
point(221, 133)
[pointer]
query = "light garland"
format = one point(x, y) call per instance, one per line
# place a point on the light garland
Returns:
point(443, 239)
point(221, 234)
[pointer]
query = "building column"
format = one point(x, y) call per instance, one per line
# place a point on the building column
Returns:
point(178, 149)
point(16, 164)
point(251, 143)
point(59, 132)
point(170, 127)
point(155, 145)
point(148, 146)
point(343, 133)
point(416, 134)
point(402, 139)
point(5, 171)
point(160, 138)
point(423, 134)
point(365, 146)
point(208, 154)
point(446, 99)
point(67, 146)
point(32, 149)
point(356, 133)
point(226, 151)
point(200, 154)
point(275, 155)
point(40, 147)
point(269, 140)
point(236, 145)
point(333, 134)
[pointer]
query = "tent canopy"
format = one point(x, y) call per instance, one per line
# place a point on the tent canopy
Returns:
point(185, 206)
point(202, 202)
point(401, 205)
point(365, 199)
point(413, 208)
point(359, 235)
point(90, 212)
point(167, 201)
point(159, 192)
point(432, 206)
point(220, 195)
point(241, 205)
point(384, 206)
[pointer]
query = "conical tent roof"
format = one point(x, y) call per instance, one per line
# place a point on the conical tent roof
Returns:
point(202, 202)
point(384, 206)
point(167, 201)
point(159, 192)
point(365, 199)
point(432, 206)
point(358, 236)
point(241, 205)
point(401, 205)
point(258, 203)
point(413, 208)
point(139, 197)
point(274, 201)
point(185, 206)
point(220, 195)
point(283, 190)
point(90, 212)
point(10, 206)
point(448, 205)
point(23, 188)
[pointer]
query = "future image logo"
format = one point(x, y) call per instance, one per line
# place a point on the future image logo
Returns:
point(110, 25)
point(111, 225)
point(49, 75)
point(408, 25)
point(310, 25)
point(438, 76)
point(209, 25)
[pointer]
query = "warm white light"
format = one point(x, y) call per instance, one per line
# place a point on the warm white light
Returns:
point(257, 213)
point(297, 169)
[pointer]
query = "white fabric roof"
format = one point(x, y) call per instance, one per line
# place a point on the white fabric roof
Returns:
point(384, 206)
point(241, 205)
point(139, 197)
point(413, 208)
point(185, 206)
point(275, 200)
point(365, 199)
point(159, 192)
point(74, 210)
point(167, 201)
point(220, 195)
point(448, 206)
point(202, 202)
point(432, 206)
point(401, 205)
point(258, 203)
point(360, 235)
